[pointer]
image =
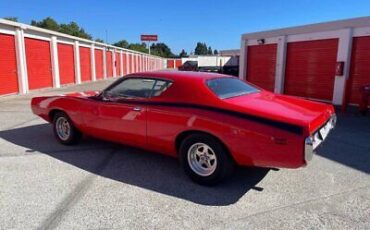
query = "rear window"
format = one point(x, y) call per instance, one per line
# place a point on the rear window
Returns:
point(230, 87)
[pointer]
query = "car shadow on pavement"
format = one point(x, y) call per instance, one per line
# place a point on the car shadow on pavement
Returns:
point(136, 167)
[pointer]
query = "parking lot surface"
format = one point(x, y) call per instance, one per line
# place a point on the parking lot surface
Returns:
point(101, 185)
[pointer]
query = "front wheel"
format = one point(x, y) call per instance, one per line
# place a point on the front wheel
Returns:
point(205, 160)
point(64, 130)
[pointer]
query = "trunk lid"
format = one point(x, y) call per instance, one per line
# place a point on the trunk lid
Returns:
point(308, 114)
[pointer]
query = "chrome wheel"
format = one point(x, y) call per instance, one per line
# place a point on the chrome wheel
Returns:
point(202, 159)
point(63, 128)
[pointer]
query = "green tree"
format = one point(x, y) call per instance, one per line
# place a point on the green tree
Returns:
point(71, 28)
point(183, 54)
point(14, 19)
point(162, 50)
point(123, 43)
point(209, 51)
point(75, 30)
point(201, 49)
point(47, 23)
point(99, 40)
point(141, 47)
point(215, 52)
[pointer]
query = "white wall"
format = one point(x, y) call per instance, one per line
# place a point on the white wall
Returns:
point(209, 60)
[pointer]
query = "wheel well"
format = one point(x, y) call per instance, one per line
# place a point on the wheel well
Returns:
point(185, 134)
point(53, 112)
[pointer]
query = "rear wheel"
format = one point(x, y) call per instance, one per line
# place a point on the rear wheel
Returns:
point(204, 159)
point(64, 130)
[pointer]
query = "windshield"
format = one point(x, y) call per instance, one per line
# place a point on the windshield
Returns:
point(230, 87)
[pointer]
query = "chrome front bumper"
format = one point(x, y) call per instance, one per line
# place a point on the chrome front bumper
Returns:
point(313, 141)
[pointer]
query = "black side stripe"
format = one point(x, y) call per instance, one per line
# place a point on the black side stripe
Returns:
point(277, 124)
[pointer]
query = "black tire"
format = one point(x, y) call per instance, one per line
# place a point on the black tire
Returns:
point(225, 164)
point(74, 134)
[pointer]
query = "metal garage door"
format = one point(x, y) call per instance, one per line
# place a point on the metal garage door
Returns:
point(261, 64)
point(66, 64)
point(178, 63)
point(129, 67)
point(109, 64)
point(118, 64)
point(310, 69)
point(360, 68)
point(124, 56)
point(170, 63)
point(8, 65)
point(140, 63)
point(99, 68)
point(144, 63)
point(85, 64)
point(38, 63)
point(134, 67)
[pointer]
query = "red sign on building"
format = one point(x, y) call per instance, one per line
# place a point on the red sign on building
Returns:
point(149, 37)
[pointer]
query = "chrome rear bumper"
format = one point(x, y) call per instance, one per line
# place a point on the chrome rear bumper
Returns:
point(313, 141)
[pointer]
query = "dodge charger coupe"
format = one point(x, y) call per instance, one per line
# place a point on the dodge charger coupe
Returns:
point(211, 122)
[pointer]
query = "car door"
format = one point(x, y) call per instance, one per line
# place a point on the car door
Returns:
point(120, 114)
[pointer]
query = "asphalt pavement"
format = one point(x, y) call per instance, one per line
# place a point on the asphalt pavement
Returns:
point(101, 185)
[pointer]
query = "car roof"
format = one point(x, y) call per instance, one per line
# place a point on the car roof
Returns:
point(188, 86)
point(180, 75)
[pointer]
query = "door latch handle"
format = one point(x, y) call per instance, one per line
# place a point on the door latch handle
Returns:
point(136, 109)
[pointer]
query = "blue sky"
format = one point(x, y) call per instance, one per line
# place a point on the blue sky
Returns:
point(180, 24)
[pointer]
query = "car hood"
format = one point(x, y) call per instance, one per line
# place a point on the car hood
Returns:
point(308, 114)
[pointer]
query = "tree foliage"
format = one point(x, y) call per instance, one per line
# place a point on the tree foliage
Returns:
point(123, 43)
point(183, 54)
point(215, 52)
point(141, 47)
point(47, 23)
point(14, 19)
point(162, 50)
point(71, 28)
point(99, 40)
point(75, 30)
point(201, 49)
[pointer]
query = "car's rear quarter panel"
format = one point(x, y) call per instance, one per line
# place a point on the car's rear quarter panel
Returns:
point(250, 143)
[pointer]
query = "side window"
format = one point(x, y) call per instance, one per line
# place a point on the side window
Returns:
point(136, 87)
point(160, 86)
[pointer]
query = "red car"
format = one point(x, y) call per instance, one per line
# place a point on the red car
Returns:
point(211, 122)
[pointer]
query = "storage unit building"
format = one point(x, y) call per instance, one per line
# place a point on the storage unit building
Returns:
point(326, 61)
point(33, 58)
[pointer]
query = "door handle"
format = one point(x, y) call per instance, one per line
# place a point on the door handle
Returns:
point(136, 109)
